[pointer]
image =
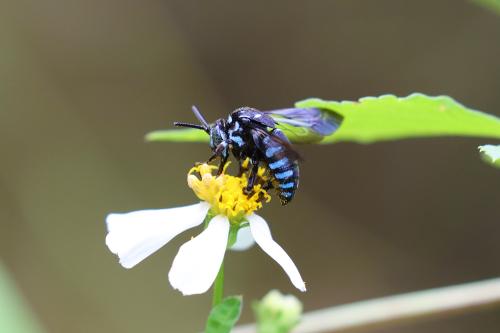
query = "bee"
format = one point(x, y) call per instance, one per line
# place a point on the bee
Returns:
point(259, 136)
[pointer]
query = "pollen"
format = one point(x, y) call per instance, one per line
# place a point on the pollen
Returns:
point(226, 193)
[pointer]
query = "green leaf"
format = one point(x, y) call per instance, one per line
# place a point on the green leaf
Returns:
point(388, 117)
point(224, 316)
point(15, 316)
point(178, 135)
point(373, 119)
point(493, 5)
point(490, 154)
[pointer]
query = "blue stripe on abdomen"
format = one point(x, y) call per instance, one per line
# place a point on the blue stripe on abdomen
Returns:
point(287, 185)
point(284, 175)
point(278, 164)
point(286, 194)
point(273, 150)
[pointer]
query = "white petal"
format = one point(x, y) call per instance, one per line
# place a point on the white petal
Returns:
point(244, 240)
point(262, 235)
point(197, 263)
point(136, 235)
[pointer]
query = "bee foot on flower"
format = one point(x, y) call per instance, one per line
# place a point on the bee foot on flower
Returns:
point(248, 191)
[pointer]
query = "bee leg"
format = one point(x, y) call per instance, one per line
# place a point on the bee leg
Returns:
point(253, 176)
point(223, 161)
point(213, 157)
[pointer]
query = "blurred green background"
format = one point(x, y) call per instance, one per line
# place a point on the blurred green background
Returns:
point(81, 82)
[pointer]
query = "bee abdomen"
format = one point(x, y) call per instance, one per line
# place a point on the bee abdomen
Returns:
point(286, 175)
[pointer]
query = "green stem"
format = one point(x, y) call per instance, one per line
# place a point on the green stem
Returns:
point(218, 289)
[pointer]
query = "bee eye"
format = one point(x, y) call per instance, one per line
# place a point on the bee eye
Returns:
point(215, 137)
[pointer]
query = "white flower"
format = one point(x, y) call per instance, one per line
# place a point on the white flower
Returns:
point(136, 235)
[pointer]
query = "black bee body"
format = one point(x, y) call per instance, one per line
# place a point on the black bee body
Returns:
point(253, 134)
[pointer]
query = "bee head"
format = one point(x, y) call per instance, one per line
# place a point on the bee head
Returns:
point(217, 132)
point(218, 137)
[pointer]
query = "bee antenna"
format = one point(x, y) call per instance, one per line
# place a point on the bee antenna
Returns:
point(200, 127)
point(198, 115)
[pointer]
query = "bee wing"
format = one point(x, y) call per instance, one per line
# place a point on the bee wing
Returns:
point(306, 125)
point(274, 140)
point(256, 116)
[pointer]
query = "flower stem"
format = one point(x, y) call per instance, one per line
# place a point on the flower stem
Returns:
point(218, 289)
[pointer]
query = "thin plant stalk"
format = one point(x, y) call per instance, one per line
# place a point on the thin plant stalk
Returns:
point(218, 289)
point(381, 312)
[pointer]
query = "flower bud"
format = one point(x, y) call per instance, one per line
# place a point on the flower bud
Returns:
point(277, 313)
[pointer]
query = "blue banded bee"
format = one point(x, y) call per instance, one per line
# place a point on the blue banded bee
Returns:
point(253, 134)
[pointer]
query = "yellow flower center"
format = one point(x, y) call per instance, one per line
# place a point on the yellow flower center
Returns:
point(226, 194)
